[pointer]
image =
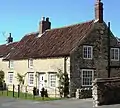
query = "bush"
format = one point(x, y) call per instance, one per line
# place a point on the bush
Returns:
point(66, 85)
point(85, 93)
point(1, 76)
point(44, 93)
point(1, 79)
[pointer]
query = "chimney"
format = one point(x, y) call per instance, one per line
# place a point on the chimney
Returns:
point(44, 25)
point(10, 38)
point(99, 11)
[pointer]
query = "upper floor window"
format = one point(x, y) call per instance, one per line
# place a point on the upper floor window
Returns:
point(10, 77)
point(115, 54)
point(87, 77)
point(87, 52)
point(30, 63)
point(11, 64)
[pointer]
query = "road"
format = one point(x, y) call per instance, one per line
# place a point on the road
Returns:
point(68, 103)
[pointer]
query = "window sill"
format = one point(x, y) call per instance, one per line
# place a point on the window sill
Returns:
point(86, 86)
point(88, 58)
point(31, 85)
point(114, 60)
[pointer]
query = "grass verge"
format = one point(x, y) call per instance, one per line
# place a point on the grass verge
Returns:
point(26, 96)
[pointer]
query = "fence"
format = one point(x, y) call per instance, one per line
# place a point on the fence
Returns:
point(17, 91)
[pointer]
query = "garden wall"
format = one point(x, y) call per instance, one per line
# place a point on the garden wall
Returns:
point(106, 91)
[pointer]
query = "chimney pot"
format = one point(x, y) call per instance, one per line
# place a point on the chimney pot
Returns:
point(10, 38)
point(44, 25)
point(47, 19)
point(43, 18)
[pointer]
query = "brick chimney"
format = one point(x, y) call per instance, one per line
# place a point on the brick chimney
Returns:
point(10, 38)
point(99, 11)
point(44, 25)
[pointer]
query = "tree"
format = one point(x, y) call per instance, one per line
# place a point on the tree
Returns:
point(60, 75)
point(21, 79)
point(66, 85)
point(63, 83)
point(1, 76)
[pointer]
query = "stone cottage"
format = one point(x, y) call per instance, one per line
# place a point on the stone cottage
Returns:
point(81, 50)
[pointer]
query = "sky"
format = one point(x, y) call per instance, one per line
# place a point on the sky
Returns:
point(21, 17)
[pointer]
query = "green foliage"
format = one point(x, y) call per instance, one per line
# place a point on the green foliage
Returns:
point(1, 76)
point(60, 75)
point(86, 93)
point(20, 79)
point(63, 83)
point(66, 85)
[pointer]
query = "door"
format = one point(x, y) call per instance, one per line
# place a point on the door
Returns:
point(41, 81)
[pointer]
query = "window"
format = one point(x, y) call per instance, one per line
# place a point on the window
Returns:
point(87, 52)
point(11, 64)
point(52, 79)
point(10, 77)
point(115, 54)
point(30, 63)
point(87, 77)
point(30, 78)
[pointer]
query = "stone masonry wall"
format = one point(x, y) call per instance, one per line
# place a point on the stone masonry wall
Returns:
point(106, 91)
point(98, 38)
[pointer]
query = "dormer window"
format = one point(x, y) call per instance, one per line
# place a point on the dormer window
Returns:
point(11, 64)
point(87, 52)
point(114, 54)
point(30, 63)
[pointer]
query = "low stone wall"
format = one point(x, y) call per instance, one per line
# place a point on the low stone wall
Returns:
point(83, 93)
point(106, 91)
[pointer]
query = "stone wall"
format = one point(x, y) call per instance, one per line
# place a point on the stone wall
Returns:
point(97, 38)
point(106, 91)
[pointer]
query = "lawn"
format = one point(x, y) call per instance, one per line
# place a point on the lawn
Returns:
point(26, 96)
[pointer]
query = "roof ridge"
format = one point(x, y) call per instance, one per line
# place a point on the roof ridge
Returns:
point(70, 25)
point(9, 43)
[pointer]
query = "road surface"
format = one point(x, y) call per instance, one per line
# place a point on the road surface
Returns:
point(68, 103)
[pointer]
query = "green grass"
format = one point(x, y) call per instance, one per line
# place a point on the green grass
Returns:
point(26, 96)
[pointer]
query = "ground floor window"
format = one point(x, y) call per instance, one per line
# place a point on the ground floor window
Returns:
point(10, 77)
point(52, 79)
point(30, 78)
point(87, 77)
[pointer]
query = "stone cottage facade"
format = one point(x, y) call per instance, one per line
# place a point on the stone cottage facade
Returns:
point(81, 50)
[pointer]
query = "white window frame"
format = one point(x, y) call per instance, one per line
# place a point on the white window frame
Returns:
point(51, 80)
point(30, 63)
point(11, 64)
point(30, 81)
point(10, 77)
point(114, 59)
point(91, 54)
point(87, 70)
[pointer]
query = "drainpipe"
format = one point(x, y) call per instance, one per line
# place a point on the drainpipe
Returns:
point(65, 64)
point(109, 50)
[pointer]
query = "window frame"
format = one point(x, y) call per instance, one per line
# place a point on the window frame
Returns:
point(29, 63)
point(29, 80)
point(11, 64)
point(88, 46)
point(82, 76)
point(50, 84)
point(10, 73)
point(113, 59)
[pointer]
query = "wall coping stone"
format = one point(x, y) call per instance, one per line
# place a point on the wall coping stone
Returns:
point(100, 80)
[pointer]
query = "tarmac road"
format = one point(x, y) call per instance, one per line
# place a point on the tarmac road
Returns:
point(67, 103)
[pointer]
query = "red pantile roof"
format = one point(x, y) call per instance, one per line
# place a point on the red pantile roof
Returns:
point(5, 49)
point(53, 43)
